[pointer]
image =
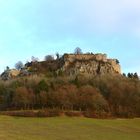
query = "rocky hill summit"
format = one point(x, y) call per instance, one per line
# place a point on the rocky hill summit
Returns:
point(89, 64)
point(68, 64)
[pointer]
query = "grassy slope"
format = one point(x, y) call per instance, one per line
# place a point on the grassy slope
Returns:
point(63, 128)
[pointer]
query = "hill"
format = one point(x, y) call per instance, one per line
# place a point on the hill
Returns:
point(90, 84)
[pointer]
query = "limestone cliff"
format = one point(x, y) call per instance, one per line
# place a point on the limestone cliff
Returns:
point(89, 64)
point(69, 64)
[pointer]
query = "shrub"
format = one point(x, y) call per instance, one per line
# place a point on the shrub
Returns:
point(73, 113)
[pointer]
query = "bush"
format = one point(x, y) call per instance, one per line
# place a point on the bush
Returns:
point(73, 113)
point(92, 114)
point(20, 113)
point(40, 113)
point(48, 113)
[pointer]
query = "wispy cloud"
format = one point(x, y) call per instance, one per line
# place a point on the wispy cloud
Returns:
point(116, 16)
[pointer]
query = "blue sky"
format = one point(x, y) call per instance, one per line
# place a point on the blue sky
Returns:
point(40, 27)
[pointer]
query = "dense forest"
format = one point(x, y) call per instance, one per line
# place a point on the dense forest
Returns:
point(108, 95)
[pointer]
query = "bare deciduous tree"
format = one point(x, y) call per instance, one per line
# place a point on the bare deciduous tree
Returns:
point(57, 55)
point(49, 58)
point(78, 50)
point(19, 65)
point(34, 59)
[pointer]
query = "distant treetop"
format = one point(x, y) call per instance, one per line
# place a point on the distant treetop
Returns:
point(78, 50)
point(19, 65)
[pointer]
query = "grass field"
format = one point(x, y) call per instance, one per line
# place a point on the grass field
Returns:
point(64, 128)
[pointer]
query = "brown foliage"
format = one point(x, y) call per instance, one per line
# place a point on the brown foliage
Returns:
point(113, 95)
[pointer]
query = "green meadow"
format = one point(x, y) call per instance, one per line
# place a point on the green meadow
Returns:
point(65, 128)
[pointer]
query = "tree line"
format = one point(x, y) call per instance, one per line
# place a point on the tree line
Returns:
point(112, 95)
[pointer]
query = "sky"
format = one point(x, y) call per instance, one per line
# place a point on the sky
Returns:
point(41, 27)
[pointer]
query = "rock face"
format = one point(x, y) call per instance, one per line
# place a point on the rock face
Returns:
point(89, 64)
point(9, 74)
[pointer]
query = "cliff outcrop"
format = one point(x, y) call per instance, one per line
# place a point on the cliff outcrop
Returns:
point(89, 64)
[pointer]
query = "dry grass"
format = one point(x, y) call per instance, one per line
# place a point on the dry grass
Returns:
point(65, 128)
